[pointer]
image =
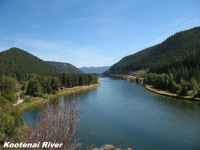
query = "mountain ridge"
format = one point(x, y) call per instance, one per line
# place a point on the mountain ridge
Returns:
point(94, 69)
point(182, 48)
point(64, 67)
point(17, 63)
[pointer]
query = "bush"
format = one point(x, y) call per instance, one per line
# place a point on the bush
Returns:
point(57, 124)
point(27, 100)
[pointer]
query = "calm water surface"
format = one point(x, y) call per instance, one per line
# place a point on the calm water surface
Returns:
point(142, 120)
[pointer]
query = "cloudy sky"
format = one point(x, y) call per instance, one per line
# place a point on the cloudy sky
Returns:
point(92, 32)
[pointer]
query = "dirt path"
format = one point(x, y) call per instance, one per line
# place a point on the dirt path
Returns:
point(83, 87)
point(19, 101)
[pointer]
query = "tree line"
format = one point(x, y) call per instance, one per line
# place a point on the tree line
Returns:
point(37, 85)
point(179, 50)
point(179, 81)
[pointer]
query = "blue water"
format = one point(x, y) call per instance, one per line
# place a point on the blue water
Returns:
point(142, 120)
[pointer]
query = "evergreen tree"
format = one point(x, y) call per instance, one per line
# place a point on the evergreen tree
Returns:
point(2, 126)
point(7, 88)
point(55, 83)
point(34, 88)
point(184, 88)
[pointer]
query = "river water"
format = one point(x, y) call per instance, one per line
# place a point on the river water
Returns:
point(142, 120)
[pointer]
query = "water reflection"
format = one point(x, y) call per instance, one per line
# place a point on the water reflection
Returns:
point(180, 104)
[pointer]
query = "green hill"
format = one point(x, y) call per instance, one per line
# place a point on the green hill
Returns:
point(173, 65)
point(130, 63)
point(179, 50)
point(18, 63)
point(65, 67)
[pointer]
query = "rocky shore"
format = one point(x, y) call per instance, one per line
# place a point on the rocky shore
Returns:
point(109, 147)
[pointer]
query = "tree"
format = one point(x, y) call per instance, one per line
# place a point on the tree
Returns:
point(82, 79)
point(193, 84)
point(57, 124)
point(184, 88)
point(2, 125)
point(64, 79)
point(34, 88)
point(7, 88)
point(55, 83)
point(70, 81)
point(11, 120)
point(198, 93)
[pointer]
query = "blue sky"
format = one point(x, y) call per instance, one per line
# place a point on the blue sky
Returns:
point(91, 32)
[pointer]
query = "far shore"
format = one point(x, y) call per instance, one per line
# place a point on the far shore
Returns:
point(158, 91)
point(169, 94)
point(46, 97)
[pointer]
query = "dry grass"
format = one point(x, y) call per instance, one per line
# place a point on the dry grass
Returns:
point(34, 102)
point(139, 73)
point(169, 94)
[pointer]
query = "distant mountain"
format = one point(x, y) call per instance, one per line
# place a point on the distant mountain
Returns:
point(94, 69)
point(65, 67)
point(18, 63)
point(179, 50)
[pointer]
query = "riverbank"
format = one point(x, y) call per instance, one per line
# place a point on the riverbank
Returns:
point(154, 90)
point(46, 97)
point(109, 147)
point(158, 91)
point(169, 94)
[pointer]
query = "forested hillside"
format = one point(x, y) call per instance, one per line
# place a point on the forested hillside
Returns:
point(18, 64)
point(173, 65)
point(181, 49)
point(65, 67)
point(36, 78)
point(130, 63)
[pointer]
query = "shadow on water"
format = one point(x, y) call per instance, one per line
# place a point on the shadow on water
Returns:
point(180, 104)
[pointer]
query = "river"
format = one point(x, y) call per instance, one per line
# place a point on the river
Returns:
point(142, 120)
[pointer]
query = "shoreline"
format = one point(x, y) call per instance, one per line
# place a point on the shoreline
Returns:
point(158, 91)
point(161, 92)
point(46, 97)
point(166, 93)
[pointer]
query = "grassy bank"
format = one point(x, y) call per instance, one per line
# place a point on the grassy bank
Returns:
point(46, 97)
point(169, 94)
point(34, 102)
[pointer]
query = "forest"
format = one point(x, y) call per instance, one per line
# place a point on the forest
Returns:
point(36, 85)
point(173, 65)
point(19, 64)
point(36, 78)
point(179, 81)
point(65, 67)
point(179, 50)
